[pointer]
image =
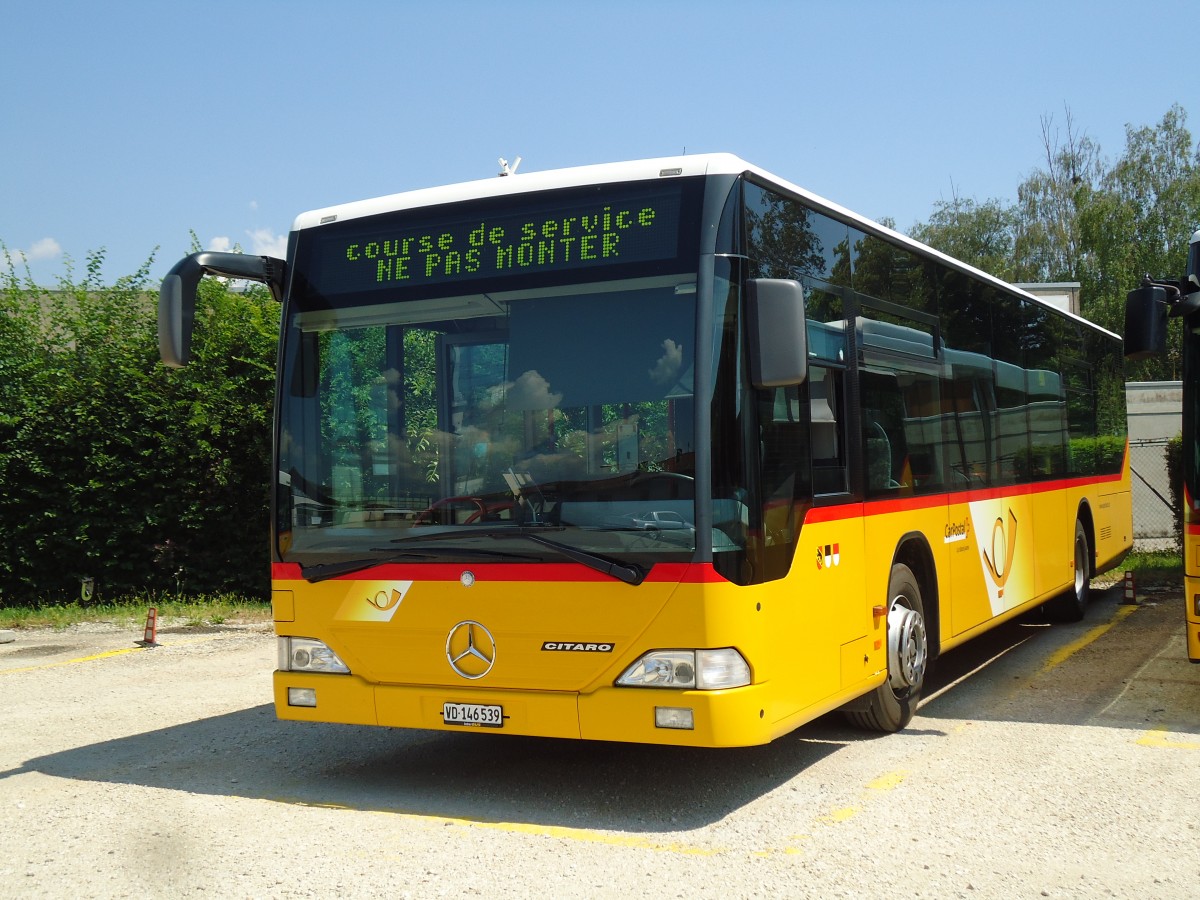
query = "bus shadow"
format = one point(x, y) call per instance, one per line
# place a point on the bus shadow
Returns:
point(537, 781)
point(1117, 668)
point(592, 785)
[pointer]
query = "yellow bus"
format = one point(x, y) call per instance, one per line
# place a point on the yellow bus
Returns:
point(667, 451)
point(1146, 313)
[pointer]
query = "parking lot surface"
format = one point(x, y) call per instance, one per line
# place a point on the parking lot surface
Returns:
point(1056, 761)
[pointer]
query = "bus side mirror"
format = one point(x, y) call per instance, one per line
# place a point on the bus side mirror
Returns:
point(177, 312)
point(1145, 322)
point(777, 330)
point(177, 296)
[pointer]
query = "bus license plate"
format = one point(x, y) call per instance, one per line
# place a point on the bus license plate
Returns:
point(473, 714)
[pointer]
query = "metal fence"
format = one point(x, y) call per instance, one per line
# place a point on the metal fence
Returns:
point(1153, 516)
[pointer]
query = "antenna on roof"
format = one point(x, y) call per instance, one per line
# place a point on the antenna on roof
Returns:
point(506, 169)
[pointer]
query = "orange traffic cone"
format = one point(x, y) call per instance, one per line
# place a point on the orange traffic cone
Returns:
point(149, 637)
point(1130, 597)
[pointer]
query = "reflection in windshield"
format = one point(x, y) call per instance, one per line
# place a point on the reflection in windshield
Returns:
point(573, 411)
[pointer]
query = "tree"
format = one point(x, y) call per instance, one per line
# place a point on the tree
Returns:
point(1079, 219)
point(1048, 245)
point(982, 234)
point(1139, 221)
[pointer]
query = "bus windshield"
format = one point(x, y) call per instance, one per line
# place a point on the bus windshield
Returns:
point(411, 434)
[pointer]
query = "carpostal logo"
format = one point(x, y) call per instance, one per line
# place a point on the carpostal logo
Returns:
point(828, 556)
point(578, 646)
point(957, 531)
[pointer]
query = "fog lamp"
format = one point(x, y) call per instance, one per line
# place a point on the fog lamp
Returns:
point(674, 717)
point(302, 697)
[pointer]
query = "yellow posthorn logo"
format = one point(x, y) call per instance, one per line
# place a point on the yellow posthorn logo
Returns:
point(1004, 548)
point(382, 602)
point(373, 601)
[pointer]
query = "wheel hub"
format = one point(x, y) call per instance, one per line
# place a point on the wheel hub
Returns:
point(908, 648)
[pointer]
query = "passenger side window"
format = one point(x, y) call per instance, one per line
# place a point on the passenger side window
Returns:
point(827, 429)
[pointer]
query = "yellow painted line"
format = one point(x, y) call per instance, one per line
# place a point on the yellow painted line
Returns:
point(1157, 738)
point(585, 835)
point(785, 851)
point(71, 662)
point(888, 782)
point(579, 835)
point(1065, 653)
point(592, 837)
point(840, 815)
point(108, 654)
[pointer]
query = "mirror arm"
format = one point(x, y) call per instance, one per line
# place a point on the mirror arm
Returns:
point(177, 296)
point(1174, 295)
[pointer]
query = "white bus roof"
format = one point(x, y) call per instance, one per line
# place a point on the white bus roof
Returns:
point(528, 182)
point(639, 170)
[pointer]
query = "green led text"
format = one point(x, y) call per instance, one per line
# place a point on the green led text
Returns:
point(500, 246)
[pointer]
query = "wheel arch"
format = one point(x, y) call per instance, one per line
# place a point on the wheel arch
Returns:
point(1084, 516)
point(913, 550)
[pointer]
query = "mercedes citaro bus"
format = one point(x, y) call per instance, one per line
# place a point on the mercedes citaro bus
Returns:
point(668, 451)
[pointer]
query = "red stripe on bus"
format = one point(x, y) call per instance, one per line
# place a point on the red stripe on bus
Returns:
point(928, 501)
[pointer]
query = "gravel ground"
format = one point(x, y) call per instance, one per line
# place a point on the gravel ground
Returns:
point(1057, 762)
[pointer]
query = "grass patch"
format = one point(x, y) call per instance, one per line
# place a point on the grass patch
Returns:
point(1152, 566)
point(217, 609)
point(1167, 563)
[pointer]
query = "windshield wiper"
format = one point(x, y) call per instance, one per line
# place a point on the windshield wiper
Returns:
point(626, 572)
point(325, 571)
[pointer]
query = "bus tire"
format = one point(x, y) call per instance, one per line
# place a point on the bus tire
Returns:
point(892, 705)
point(1070, 605)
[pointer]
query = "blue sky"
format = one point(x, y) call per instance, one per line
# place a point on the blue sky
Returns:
point(127, 125)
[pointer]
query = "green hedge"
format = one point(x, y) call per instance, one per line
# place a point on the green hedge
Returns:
point(1096, 455)
point(116, 468)
point(1174, 456)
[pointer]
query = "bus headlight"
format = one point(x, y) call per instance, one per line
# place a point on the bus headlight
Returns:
point(307, 655)
point(705, 670)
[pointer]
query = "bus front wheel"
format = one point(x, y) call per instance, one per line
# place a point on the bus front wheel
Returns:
point(892, 705)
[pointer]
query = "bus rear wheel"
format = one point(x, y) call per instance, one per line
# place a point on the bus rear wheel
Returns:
point(1070, 606)
point(893, 704)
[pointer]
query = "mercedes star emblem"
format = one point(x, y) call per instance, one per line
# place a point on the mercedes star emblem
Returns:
point(470, 650)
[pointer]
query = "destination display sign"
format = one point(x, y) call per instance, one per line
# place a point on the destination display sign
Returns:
point(546, 233)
